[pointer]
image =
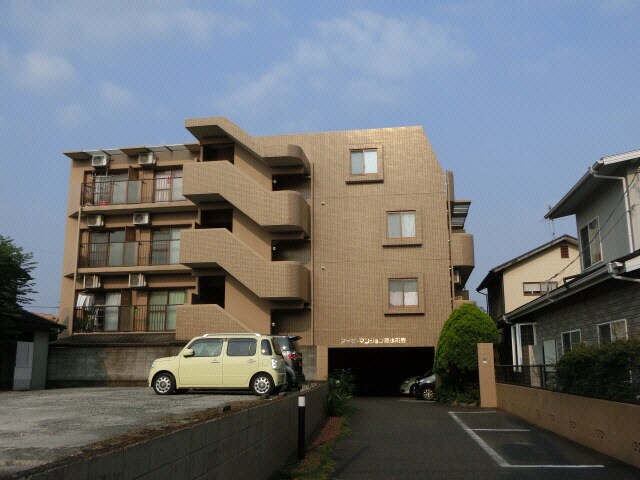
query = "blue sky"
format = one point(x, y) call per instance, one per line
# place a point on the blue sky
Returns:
point(517, 98)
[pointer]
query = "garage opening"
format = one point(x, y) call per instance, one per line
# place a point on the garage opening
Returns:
point(380, 371)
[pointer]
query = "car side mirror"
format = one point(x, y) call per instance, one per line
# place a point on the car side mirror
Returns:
point(188, 353)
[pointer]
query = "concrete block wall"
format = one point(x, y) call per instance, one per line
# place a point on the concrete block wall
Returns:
point(103, 365)
point(608, 427)
point(252, 443)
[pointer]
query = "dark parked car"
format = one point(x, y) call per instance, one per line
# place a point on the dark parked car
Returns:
point(425, 386)
point(292, 360)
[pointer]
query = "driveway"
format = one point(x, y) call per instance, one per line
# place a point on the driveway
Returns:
point(404, 438)
point(38, 427)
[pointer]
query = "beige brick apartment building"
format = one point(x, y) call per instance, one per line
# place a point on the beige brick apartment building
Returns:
point(352, 240)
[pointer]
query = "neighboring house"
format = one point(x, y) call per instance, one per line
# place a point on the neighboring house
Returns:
point(602, 303)
point(352, 240)
point(23, 359)
point(523, 279)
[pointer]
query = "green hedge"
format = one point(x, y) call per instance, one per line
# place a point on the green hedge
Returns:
point(609, 371)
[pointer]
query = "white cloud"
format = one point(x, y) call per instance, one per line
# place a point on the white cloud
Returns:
point(41, 71)
point(115, 96)
point(72, 116)
point(93, 28)
point(362, 59)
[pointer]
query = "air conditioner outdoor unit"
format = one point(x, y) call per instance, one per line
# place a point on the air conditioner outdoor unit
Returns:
point(95, 221)
point(91, 281)
point(137, 280)
point(141, 218)
point(99, 160)
point(147, 158)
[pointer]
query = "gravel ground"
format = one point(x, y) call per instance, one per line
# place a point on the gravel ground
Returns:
point(41, 426)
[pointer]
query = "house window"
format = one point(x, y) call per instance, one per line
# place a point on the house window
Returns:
point(364, 162)
point(612, 331)
point(570, 340)
point(162, 308)
point(403, 292)
point(590, 244)
point(522, 335)
point(538, 288)
point(401, 224)
point(564, 251)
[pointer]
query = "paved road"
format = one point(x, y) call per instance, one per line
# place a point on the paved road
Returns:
point(38, 427)
point(404, 439)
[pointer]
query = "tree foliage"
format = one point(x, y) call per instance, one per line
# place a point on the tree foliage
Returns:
point(457, 354)
point(16, 284)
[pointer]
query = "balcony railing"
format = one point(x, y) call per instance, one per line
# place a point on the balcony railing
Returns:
point(126, 254)
point(124, 192)
point(136, 318)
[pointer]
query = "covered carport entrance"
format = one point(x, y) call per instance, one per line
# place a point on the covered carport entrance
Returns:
point(380, 371)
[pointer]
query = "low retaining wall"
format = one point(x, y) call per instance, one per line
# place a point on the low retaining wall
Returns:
point(611, 428)
point(103, 365)
point(252, 443)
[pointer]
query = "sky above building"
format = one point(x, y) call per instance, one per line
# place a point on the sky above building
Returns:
point(516, 98)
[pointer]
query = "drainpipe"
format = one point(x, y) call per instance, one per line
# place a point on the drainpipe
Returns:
point(75, 270)
point(626, 202)
point(618, 277)
point(448, 204)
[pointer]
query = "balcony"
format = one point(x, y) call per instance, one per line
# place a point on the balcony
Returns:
point(218, 247)
point(126, 196)
point(131, 318)
point(125, 254)
point(276, 211)
point(462, 253)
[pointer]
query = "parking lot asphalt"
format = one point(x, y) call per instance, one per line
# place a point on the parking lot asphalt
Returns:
point(396, 438)
point(39, 427)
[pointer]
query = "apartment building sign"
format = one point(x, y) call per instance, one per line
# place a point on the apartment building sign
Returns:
point(372, 341)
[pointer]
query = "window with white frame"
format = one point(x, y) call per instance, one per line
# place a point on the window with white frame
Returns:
point(364, 162)
point(590, 244)
point(401, 224)
point(538, 288)
point(612, 331)
point(522, 335)
point(403, 292)
point(570, 340)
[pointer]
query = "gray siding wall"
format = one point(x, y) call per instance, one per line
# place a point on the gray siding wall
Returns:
point(611, 300)
point(614, 235)
point(633, 182)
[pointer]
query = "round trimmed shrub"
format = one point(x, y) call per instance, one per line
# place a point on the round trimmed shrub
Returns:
point(456, 358)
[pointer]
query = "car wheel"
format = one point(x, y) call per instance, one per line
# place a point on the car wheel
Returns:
point(427, 393)
point(164, 384)
point(262, 384)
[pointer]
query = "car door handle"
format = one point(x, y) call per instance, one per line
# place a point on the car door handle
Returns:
point(215, 361)
point(251, 361)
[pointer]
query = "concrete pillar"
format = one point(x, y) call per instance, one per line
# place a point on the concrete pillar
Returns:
point(487, 376)
point(322, 362)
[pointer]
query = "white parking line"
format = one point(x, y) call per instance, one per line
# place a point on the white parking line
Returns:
point(496, 456)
